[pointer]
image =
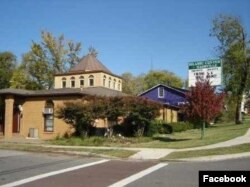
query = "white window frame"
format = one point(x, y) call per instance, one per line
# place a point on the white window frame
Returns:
point(104, 81)
point(81, 80)
point(64, 80)
point(161, 95)
point(91, 79)
point(72, 82)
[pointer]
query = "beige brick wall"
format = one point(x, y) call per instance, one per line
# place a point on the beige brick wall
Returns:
point(98, 80)
point(32, 117)
point(168, 115)
point(9, 102)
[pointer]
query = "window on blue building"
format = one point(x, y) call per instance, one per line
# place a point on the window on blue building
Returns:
point(161, 93)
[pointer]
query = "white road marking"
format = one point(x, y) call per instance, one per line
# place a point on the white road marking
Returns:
point(137, 176)
point(23, 181)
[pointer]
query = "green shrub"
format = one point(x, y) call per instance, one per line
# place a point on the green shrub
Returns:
point(97, 140)
point(118, 129)
point(181, 126)
point(151, 129)
point(167, 129)
point(162, 127)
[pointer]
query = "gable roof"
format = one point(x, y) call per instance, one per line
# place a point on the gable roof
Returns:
point(90, 63)
point(178, 90)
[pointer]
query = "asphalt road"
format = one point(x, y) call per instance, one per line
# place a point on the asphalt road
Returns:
point(187, 174)
point(15, 166)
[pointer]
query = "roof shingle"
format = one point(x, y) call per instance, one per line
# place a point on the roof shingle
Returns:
point(98, 91)
point(90, 63)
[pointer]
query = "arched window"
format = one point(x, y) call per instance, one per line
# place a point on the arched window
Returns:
point(109, 82)
point(64, 82)
point(91, 80)
point(119, 85)
point(72, 82)
point(48, 113)
point(81, 81)
point(104, 80)
point(114, 83)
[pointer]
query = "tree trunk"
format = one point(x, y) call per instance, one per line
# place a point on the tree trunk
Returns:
point(203, 129)
point(241, 91)
point(238, 115)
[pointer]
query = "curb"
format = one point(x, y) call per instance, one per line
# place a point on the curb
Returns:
point(214, 157)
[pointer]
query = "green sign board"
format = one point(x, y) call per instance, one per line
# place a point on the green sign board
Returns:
point(205, 70)
point(204, 64)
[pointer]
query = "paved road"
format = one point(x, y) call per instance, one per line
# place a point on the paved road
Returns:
point(15, 166)
point(186, 174)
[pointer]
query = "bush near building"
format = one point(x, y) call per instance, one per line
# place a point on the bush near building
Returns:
point(136, 112)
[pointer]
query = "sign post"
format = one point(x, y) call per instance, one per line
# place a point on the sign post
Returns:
point(205, 70)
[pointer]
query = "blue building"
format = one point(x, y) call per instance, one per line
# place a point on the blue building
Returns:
point(172, 98)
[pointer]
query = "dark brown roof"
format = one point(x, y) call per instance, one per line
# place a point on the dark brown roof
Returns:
point(98, 91)
point(89, 63)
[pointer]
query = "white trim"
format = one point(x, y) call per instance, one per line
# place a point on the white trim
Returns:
point(169, 87)
point(137, 176)
point(159, 91)
point(63, 79)
point(91, 77)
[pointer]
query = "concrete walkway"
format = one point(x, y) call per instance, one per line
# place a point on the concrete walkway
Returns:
point(142, 154)
point(155, 153)
point(151, 154)
point(236, 141)
point(160, 153)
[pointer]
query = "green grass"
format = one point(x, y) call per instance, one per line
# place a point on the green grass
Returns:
point(119, 153)
point(191, 138)
point(209, 152)
point(100, 141)
point(186, 139)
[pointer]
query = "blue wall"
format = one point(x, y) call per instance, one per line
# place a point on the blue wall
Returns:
point(171, 97)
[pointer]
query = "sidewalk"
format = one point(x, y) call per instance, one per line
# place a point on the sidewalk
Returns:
point(236, 141)
point(216, 157)
point(160, 153)
point(155, 153)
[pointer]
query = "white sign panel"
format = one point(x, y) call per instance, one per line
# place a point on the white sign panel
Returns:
point(205, 70)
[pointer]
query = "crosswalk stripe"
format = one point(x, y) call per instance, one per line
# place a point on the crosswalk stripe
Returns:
point(137, 176)
point(27, 180)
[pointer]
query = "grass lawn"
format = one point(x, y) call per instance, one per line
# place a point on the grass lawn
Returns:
point(208, 152)
point(85, 151)
point(190, 138)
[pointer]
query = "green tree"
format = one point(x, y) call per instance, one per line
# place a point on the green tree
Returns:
point(7, 67)
point(20, 80)
point(135, 85)
point(132, 85)
point(162, 77)
point(234, 50)
point(52, 55)
point(82, 115)
point(138, 113)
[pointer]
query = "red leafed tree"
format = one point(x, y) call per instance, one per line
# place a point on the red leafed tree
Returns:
point(203, 103)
